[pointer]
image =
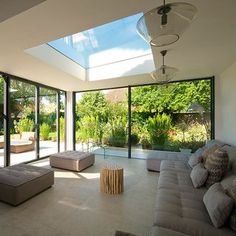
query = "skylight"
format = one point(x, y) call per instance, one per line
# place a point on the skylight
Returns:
point(110, 43)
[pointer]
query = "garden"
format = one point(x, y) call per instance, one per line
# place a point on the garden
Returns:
point(173, 117)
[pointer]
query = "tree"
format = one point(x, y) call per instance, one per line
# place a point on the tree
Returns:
point(92, 104)
point(176, 97)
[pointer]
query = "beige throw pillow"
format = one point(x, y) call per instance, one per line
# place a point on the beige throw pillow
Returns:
point(232, 191)
point(218, 204)
point(196, 157)
point(198, 175)
point(216, 164)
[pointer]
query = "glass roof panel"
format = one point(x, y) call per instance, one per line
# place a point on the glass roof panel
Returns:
point(113, 42)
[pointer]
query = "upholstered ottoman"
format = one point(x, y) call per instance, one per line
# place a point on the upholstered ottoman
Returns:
point(72, 160)
point(21, 182)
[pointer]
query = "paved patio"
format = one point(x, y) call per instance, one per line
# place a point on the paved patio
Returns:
point(49, 147)
point(46, 148)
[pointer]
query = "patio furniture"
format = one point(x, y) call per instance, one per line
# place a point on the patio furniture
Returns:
point(24, 144)
point(1, 141)
point(111, 180)
point(21, 182)
point(72, 160)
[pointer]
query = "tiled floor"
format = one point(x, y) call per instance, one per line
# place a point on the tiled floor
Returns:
point(75, 205)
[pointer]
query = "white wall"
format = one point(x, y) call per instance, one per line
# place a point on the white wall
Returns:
point(226, 105)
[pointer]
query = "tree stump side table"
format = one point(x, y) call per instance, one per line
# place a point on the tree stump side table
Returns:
point(111, 180)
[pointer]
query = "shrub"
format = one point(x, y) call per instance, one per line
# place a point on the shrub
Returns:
point(118, 135)
point(134, 139)
point(25, 125)
point(158, 128)
point(44, 131)
point(62, 128)
point(53, 136)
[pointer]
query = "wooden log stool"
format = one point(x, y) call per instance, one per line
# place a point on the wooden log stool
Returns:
point(111, 180)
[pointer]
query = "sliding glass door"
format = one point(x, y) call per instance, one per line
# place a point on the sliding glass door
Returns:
point(1, 121)
point(102, 121)
point(62, 121)
point(173, 117)
point(22, 122)
point(48, 122)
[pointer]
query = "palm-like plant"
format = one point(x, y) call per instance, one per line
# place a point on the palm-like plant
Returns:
point(158, 128)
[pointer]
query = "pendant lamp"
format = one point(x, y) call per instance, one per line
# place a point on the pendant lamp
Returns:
point(165, 24)
point(164, 74)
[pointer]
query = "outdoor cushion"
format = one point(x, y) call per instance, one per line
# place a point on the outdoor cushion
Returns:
point(198, 175)
point(218, 204)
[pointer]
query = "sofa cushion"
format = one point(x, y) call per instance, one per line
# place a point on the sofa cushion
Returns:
point(196, 157)
point(174, 165)
point(232, 191)
point(218, 204)
point(212, 142)
point(231, 150)
point(154, 158)
point(209, 150)
point(198, 175)
point(216, 164)
point(227, 180)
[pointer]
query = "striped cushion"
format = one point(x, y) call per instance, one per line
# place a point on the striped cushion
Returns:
point(216, 164)
point(208, 151)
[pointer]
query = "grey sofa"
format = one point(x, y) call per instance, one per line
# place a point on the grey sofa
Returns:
point(179, 208)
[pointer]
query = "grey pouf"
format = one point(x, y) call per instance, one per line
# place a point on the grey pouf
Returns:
point(21, 182)
point(72, 160)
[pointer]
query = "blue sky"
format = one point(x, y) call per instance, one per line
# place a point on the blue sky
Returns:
point(109, 43)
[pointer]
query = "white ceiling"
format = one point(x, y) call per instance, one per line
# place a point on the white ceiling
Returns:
point(205, 49)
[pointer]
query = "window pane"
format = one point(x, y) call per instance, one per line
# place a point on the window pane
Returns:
point(173, 117)
point(101, 122)
point(22, 122)
point(48, 127)
point(62, 121)
point(1, 122)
